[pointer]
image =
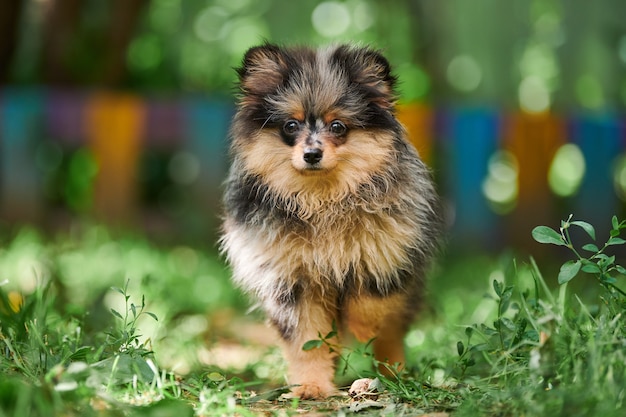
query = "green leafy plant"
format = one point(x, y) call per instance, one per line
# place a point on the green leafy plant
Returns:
point(329, 342)
point(507, 340)
point(599, 264)
point(125, 338)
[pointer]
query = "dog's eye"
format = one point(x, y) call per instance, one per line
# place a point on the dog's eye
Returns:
point(291, 127)
point(337, 128)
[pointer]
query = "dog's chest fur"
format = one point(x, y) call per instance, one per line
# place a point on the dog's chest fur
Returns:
point(334, 243)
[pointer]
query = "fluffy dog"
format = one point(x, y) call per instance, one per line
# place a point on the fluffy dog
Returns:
point(331, 216)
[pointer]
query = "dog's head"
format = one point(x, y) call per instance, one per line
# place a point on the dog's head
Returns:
point(326, 114)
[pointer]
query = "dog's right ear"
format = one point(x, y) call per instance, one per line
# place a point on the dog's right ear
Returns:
point(263, 69)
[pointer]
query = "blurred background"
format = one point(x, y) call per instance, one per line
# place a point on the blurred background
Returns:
point(118, 111)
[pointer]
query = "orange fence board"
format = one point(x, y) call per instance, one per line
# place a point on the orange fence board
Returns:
point(114, 127)
point(533, 140)
point(418, 119)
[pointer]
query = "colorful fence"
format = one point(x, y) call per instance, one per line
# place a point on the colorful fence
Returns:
point(125, 158)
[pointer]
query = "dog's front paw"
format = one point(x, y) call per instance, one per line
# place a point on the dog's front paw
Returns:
point(313, 391)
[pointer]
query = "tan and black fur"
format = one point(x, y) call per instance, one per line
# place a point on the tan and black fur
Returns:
point(331, 216)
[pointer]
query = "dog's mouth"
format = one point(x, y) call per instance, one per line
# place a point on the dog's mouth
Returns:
point(312, 169)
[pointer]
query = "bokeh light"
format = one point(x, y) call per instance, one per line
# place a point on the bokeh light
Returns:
point(549, 30)
point(539, 60)
point(184, 168)
point(589, 92)
point(363, 16)
point(619, 177)
point(414, 82)
point(540, 75)
point(567, 170)
point(500, 188)
point(464, 73)
point(331, 19)
point(538, 63)
point(209, 22)
point(242, 33)
point(534, 96)
point(145, 52)
point(165, 15)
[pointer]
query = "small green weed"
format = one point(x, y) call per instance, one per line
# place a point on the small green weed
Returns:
point(599, 264)
point(125, 338)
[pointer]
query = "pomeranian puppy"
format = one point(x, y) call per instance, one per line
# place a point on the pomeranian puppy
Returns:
point(331, 218)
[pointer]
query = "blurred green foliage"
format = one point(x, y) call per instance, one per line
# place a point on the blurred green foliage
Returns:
point(530, 54)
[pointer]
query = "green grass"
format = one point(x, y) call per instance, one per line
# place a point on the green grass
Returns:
point(96, 324)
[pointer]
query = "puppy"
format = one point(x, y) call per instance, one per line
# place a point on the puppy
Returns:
point(331, 216)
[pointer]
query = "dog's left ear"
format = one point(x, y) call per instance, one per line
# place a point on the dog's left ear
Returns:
point(370, 69)
point(261, 72)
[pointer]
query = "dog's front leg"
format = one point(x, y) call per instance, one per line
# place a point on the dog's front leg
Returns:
point(384, 319)
point(310, 371)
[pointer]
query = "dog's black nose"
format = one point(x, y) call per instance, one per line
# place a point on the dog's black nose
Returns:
point(312, 155)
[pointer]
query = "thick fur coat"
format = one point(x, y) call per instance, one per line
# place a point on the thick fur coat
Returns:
point(330, 214)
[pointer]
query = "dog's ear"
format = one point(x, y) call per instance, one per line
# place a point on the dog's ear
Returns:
point(263, 69)
point(371, 70)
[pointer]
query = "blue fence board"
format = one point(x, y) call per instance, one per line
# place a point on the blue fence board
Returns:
point(471, 137)
point(600, 140)
point(207, 123)
point(20, 131)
